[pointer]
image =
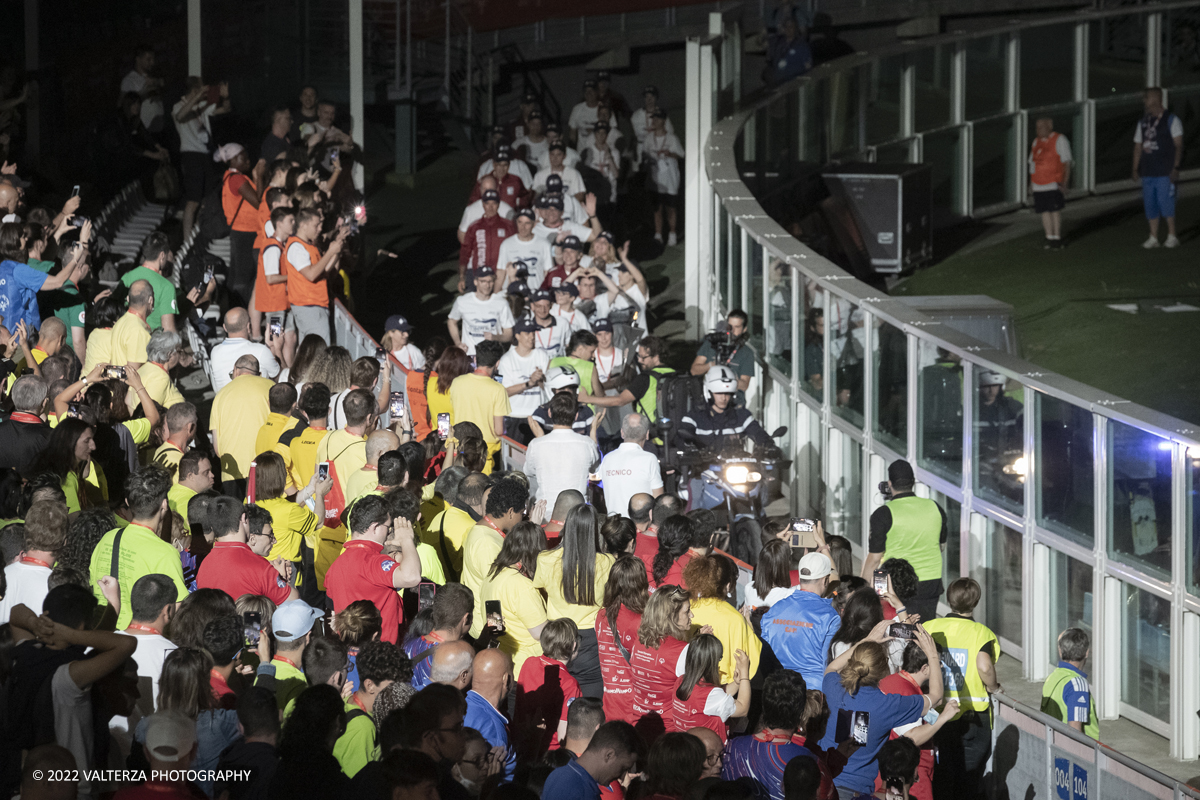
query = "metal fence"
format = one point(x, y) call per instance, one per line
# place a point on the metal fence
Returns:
point(1084, 513)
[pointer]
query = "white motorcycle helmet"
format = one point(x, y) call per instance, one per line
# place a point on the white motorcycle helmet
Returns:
point(561, 377)
point(719, 380)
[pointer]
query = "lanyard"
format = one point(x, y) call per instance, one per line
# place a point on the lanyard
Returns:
point(488, 521)
point(358, 702)
point(611, 363)
point(537, 337)
point(137, 626)
point(36, 562)
point(21, 416)
point(285, 660)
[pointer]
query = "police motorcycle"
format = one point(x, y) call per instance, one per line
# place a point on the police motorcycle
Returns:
point(727, 476)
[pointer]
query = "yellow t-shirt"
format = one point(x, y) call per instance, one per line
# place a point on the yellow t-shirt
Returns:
point(290, 522)
point(431, 565)
point(304, 454)
point(272, 436)
point(360, 484)
point(99, 349)
point(178, 498)
point(731, 628)
point(438, 403)
point(549, 577)
point(347, 451)
point(456, 524)
point(523, 608)
point(480, 549)
point(91, 492)
point(479, 399)
point(129, 338)
point(169, 455)
point(141, 553)
point(238, 412)
point(158, 385)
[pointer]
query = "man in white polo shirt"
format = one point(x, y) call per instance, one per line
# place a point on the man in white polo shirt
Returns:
point(482, 314)
point(525, 250)
point(629, 469)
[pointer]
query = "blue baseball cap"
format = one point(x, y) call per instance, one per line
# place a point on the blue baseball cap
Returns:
point(292, 620)
point(525, 325)
point(396, 322)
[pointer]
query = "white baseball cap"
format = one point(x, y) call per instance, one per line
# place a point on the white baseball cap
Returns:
point(815, 566)
point(170, 735)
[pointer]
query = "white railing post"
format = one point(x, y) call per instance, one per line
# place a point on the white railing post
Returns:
point(698, 195)
point(446, 58)
point(195, 63)
point(357, 126)
point(1154, 50)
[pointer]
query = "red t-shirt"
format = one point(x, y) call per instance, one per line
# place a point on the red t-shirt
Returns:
point(363, 572)
point(547, 691)
point(901, 684)
point(674, 576)
point(221, 692)
point(645, 547)
point(236, 570)
point(618, 680)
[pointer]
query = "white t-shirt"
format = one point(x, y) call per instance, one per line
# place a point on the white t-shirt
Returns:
point(609, 365)
point(533, 150)
point(773, 596)
point(536, 255)
point(26, 586)
point(558, 461)
point(1176, 129)
point(271, 257)
point(544, 231)
point(152, 107)
point(479, 317)
point(631, 298)
point(194, 134)
point(606, 161)
point(474, 211)
point(515, 369)
point(151, 652)
point(297, 256)
point(588, 140)
point(226, 354)
point(572, 180)
point(73, 723)
point(570, 158)
point(516, 167)
point(573, 211)
point(553, 340)
point(1063, 148)
point(660, 151)
point(572, 320)
point(719, 704)
point(627, 471)
point(583, 117)
point(640, 121)
point(410, 357)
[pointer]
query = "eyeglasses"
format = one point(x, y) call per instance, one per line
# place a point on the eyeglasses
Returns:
point(453, 728)
point(714, 759)
point(479, 762)
point(270, 536)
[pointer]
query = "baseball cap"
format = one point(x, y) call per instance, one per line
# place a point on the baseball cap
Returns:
point(661, 113)
point(989, 378)
point(490, 194)
point(525, 325)
point(519, 288)
point(541, 294)
point(601, 76)
point(650, 90)
point(602, 324)
point(498, 129)
point(554, 201)
point(607, 236)
point(572, 242)
point(559, 145)
point(535, 114)
point(292, 620)
point(170, 735)
point(568, 288)
point(602, 126)
point(815, 566)
point(589, 84)
point(527, 212)
point(554, 182)
point(396, 322)
point(483, 272)
point(553, 127)
point(502, 154)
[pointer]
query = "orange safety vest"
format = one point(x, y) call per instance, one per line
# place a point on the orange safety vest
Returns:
point(264, 216)
point(239, 213)
point(1048, 167)
point(269, 297)
point(302, 291)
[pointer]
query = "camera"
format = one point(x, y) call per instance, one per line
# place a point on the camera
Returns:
point(885, 489)
point(725, 344)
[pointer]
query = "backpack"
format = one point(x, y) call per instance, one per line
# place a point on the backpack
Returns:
point(678, 394)
point(213, 224)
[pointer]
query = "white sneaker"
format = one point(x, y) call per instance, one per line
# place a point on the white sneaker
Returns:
point(658, 238)
point(672, 241)
point(1172, 241)
point(1150, 243)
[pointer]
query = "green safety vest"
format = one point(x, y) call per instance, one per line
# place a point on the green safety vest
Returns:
point(581, 366)
point(916, 535)
point(959, 642)
point(647, 404)
point(1054, 704)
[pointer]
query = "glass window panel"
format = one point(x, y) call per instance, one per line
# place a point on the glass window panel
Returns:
point(1065, 490)
point(779, 306)
point(942, 151)
point(735, 272)
point(846, 355)
point(999, 440)
point(1116, 56)
point(721, 254)
point(1068, 120)
point(985, 75)
point(940, 420)
point(1185, 103)
point(844, 514)
point(808, 107)
point(933, 67)
point(891, 386)
point(1139, 498)
point(753, 303)
point(1116, 121)
point(1047, 65)
point(883, 98)
point(899, 153)
point(1071, 601)
point(1180, 48)
point(952, 558)
point(1001, 580)
point(810, 439)
point(995, 169)
point(1193, 515)
point(1146, 652)
point(812, 340)
point(842, 117)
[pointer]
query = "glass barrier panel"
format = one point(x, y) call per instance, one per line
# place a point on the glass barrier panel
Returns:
point(721, 256)
point(943, 150)
point(1071, 600)
point(891, 386)
point(883, 98)
point(932, 101)
point(1146, 652)
point(993, 162)
point(952, 557)
point(1116, 56)
point(1180, 49)
point(780, 134)
point(753, 305)
point(845, 487)
point(1065, 490)
point(810, 485)
point(1193, 510)
point(895, 153)
point(812, 340)
point(940, 420)
point(847, 336)
point(842, 117)
point(985, 75)
point(999, 440)
point(734, 249)
point(1116, 121)
point(1185, 103)
point(1047, 65)
point(1067, 120)
point(1139, 498)
point(1001, 579)
point(780, 277)
point(809, 128)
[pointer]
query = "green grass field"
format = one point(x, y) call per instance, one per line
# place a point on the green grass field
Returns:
point(1061, 303)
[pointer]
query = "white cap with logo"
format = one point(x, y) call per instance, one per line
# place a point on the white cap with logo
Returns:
point(815, 566)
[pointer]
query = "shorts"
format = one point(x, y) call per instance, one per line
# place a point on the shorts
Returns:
point(309, 319)
point(1158, 194)
point(664, 199)
point(198, 178)
point(1046, 202)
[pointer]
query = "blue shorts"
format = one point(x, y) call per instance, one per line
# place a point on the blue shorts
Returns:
point(1159, 196)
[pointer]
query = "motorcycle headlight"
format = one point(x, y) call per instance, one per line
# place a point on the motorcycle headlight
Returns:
point(736, 473)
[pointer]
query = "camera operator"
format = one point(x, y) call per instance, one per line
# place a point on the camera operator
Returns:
point(728, 347)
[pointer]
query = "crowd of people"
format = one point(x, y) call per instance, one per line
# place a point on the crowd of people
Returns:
point(336, 589)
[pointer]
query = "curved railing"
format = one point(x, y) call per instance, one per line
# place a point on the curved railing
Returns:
point(1072, 506)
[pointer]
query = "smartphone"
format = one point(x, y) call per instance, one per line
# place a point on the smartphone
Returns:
point(73, 410)
point(335, 156)
point(491, 607)
point(252, 627)
point(115, 372)
point(444, 429)
point(381, 355)
point(276, 327)
point(208, 276)
point(396, 405)
point(75, 190)
point(425, 594)
point(901, 630)
point(880, 582)
point(323, 471)
point(803, 533)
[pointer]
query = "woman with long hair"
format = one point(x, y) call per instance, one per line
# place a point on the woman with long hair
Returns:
point(573, 575)
point(186, 628)
point(712, 581)
point(510, 582)
point(453, 364)
point(851, 688)
point(674, 543)
point(772, 577)
point(416, 385)
point(307, 767)
point(291, 522)
point(702, 699)
point(332, 367)
point(625, 595)
point(658, 658)
point(619, 535)
point(356, 625)
point(860, 615)
point(68, 455)
point(672, 768)
point(300, 372)
point(265, 608)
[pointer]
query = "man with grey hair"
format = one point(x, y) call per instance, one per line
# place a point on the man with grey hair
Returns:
point(453, 663)
point(1066, 694)
point(179, 427)
point(24, 434)
point(162, 355)
point(237, 344)
point(629, 469)
point(131, 333)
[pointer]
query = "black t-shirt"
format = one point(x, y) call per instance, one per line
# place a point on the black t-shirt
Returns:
point(881, 523)
point(639, 385)
point(272, 147)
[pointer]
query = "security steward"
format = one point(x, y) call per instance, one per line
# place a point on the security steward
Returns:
point(914, 529)
point(969, 651)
